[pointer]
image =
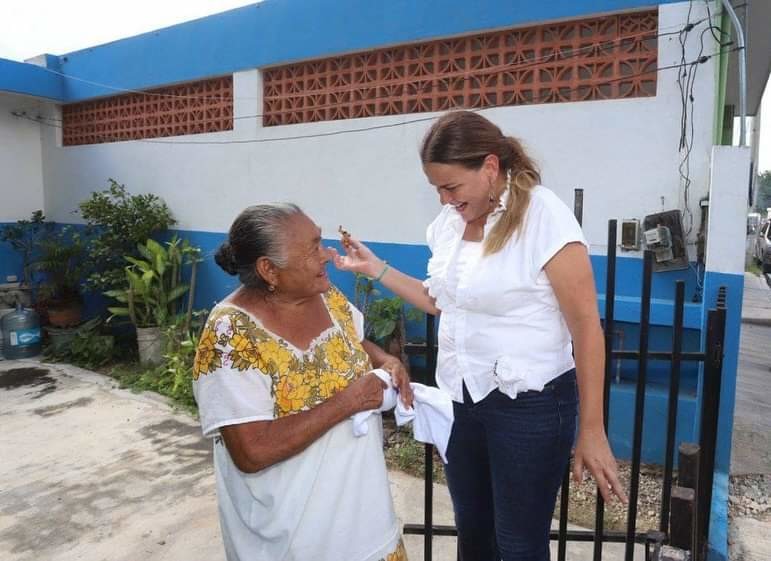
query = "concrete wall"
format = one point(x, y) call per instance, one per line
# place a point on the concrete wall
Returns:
point(21, 176)
point(622, 152)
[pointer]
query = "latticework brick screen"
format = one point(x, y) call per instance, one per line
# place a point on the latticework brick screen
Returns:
point(191, 108)
point(600, 58)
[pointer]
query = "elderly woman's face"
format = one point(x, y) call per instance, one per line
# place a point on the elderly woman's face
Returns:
point(305, 272)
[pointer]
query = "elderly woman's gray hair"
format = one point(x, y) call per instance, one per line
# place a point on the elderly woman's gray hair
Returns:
point(259, 231)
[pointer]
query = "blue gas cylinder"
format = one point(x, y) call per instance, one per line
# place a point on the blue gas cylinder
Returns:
point(21, 334)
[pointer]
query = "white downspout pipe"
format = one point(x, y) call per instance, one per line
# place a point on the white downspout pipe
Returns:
point(742, 70)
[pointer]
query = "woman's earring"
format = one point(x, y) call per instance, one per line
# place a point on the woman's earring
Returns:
point(271, 288)
point(491, 196)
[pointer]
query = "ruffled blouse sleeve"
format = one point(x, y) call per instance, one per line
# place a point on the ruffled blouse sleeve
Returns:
point(441, 238)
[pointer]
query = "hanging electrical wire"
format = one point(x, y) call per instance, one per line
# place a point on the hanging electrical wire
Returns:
point(700, 60)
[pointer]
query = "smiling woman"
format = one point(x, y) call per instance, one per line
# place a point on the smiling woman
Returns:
point(510, 275)
point(281, 364)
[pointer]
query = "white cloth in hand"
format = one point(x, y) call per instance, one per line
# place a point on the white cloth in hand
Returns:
point(431, 417)
point(431, 414)
point(360, 427)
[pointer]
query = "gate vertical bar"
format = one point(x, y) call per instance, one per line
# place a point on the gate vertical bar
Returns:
point(578, 205)
point(610, 306)
point(428, 479)
point(562, 541)
point(674, 393)
point(639, 407)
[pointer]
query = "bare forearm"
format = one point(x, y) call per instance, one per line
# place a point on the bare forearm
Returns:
point(409, 289)
point(589, 348)
point(377, 356)
point(256, 446)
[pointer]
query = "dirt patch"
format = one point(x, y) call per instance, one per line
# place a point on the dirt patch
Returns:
point(181, 444)
point(40, 378)
point(52, 410)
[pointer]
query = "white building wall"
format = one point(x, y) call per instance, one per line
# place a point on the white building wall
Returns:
point(623, 153)
point(21, 177)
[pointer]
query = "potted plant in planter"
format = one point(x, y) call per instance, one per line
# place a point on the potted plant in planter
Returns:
point(24, 237)
point(61, 261)
point(153, 292)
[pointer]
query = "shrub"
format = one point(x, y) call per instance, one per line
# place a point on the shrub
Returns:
point(117, 221)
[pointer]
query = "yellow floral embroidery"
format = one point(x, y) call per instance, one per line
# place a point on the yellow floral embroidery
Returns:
point(399, 554)
point(338, 354)
point(292, 392)
point(330, 383)
point(300, 381)
point(338, 306)
point(207, 356)
point(274, 356)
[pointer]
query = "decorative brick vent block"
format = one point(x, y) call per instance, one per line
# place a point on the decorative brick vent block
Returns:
point(191, 108)
point(607, 57)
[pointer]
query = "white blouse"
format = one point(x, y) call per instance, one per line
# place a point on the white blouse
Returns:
point(501, 326)
point(329, 502)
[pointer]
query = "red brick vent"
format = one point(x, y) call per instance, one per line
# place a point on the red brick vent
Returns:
point(191, 108)
point(607, 57)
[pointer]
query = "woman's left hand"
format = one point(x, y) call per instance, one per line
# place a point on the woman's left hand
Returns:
point(400, 379)
point(593, 453)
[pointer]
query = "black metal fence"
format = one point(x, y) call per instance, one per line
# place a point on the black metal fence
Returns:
point(711, 357)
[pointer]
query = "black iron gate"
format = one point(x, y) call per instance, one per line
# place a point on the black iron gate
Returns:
point(711, 357)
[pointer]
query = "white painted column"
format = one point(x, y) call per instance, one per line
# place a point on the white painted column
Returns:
point(726, 229)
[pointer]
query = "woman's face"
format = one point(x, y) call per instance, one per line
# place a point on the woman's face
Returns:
point(305, 272)
point(467, 190)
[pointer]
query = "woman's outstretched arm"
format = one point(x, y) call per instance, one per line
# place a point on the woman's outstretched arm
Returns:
point(360, 259)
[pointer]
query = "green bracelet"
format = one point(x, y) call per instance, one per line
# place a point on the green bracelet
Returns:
point(383, 272)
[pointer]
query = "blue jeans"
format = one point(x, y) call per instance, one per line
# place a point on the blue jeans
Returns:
point(506, 459)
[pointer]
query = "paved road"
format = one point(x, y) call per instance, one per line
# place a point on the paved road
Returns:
point(750, 537)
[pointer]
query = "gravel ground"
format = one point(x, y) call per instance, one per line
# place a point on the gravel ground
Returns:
point(750, 497)
point(403, 453)
point(581, 509)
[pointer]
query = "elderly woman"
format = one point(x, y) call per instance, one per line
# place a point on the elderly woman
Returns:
point(281, 366)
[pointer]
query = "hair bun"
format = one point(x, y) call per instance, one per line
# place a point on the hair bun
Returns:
point(226, 259)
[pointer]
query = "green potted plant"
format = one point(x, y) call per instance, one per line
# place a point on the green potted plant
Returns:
point(24, 237)
point(61, 261)
point(116, 222)
point(151, 298)
point(385, 322)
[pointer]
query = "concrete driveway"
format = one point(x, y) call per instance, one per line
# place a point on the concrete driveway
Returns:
point(92, 472)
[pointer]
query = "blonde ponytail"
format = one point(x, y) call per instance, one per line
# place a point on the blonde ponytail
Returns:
point(521, 176)
point(466, 138)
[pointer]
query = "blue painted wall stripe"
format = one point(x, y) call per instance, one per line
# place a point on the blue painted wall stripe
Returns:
point(280, 31)
point(29, 79)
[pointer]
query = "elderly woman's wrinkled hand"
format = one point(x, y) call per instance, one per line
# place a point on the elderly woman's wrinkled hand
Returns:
point(400, 379)
point(366, 393)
